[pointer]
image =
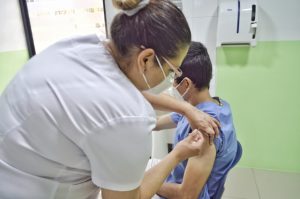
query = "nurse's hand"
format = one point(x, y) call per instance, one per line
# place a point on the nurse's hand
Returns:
point(203, 122)
point(192, 145)
point(198, 119)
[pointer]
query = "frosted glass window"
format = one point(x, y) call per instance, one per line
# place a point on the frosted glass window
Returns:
point(52, 20)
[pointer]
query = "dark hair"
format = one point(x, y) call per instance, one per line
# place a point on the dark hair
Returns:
point(197, 66)
point(160, 26)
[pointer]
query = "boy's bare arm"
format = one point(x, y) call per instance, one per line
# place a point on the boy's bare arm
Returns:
point(195, 176)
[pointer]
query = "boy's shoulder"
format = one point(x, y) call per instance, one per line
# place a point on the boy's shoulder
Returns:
point(214, 109)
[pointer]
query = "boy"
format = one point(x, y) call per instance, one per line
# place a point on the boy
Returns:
point(201, 176)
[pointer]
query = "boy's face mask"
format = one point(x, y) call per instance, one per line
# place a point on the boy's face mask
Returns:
point(175, 93)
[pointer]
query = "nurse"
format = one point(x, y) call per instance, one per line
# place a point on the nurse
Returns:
point(74, 118)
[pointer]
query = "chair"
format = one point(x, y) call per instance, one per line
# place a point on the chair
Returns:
point(237, 158)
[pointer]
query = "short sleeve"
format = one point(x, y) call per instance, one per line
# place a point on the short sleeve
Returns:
point(218, 141)
point(119, 152)
point(175, 117)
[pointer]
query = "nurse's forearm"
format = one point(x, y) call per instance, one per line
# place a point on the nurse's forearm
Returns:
point(155, 177)
point(197, 119)
point(165, 102)
point(164, 122)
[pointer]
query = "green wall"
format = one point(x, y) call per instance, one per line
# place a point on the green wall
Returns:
point(10, 63)
point(262, 84)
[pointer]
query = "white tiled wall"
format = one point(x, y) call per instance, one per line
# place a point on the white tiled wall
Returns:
point(200, 8)
point(202, 18)
point(278, 20)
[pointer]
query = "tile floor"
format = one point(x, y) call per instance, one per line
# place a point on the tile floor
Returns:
point(247, 183)
point(244, 183)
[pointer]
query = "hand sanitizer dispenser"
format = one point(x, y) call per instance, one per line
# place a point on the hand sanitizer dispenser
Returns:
point(237, 22)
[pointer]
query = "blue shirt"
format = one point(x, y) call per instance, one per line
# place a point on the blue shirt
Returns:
point(226, 145)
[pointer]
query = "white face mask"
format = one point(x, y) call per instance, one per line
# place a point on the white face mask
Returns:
point(175, 93)
point(164, 85)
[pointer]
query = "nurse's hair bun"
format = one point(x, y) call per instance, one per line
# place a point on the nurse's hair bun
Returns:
point(131, 7)
point(126, 4)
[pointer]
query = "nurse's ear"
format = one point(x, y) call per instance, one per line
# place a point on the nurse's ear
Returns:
point(146, 60)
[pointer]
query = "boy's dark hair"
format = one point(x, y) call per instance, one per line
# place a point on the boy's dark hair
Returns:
point(197, 66)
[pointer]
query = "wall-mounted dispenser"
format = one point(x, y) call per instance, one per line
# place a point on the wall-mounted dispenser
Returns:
point(237, 22)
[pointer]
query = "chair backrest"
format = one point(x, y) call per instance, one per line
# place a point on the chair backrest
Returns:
point(238, 155)
point(237, 158)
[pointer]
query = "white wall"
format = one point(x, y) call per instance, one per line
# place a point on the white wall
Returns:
point(12, 36)
point(202, 18)
point(278, 20)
